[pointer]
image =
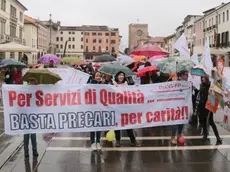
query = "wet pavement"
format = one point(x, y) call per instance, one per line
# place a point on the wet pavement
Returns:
point(70, 152)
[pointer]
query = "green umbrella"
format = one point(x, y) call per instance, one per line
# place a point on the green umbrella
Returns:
point(175, 65)
point(71, 59)
point(11, 63)
point(104, 58)
point(43, 76)
point(113, 69)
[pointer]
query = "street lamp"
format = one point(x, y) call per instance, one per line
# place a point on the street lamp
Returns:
point(193, 43)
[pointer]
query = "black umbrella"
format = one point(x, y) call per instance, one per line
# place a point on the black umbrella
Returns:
point(104, 58)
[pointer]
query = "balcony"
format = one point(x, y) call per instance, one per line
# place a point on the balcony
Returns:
point(13, 18)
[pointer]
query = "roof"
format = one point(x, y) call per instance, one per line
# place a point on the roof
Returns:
point(17, 1)
point(29, 19)
point(99, 28)
point(218, 7)
point(29, 22)
point(179, 27)
point(170, 36)
point(213, 9)
point(199, 19)
point(74, 28)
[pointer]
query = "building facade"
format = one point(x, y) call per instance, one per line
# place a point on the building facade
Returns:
point(11, 25)
point(199, 39)
point(137, 32)
point(169, 42)
point(153, 40)
point(53, 32)
point(69, 42)
point(100, 40)
point(31, 36)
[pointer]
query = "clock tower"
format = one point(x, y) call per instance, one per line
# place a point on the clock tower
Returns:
point(137, 32)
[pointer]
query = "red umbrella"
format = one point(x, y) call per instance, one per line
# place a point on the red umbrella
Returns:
point(149, 50)
point(143, 71)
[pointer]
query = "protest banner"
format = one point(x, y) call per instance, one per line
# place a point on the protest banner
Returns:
point(68, 75)
point(84, 108)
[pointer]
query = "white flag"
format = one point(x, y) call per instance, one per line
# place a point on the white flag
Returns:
point(194, 59)
point(206, 58)
point(182, 46)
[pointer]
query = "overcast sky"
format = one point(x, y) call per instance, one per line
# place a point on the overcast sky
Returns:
point(162, 16)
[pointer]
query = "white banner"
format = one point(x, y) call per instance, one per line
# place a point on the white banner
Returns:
point(68, 75)
point(84, 108)
point(207, 59)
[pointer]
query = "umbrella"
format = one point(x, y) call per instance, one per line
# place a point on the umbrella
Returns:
point(199, 70)
point(71, 59)
point(175, 65)
point(43, 76)
point(152, 59)
point(143, 71)
point(50, 57)
point(14, 47)
point(149, 50)
point(11, 63)
point(125, 59)
point(139, 58)
point(157, 62)
point(104, 58)
point(113, 69)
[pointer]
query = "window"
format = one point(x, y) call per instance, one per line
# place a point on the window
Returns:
point(107, 41)
point(87, 33)
point(20, 33)
point(57, 46)
point(69, 46)
point(61, 46)
point(99, 34)
point(113, 34)
point(223, 16)
point(82, 39)
point(216, 20)
point(107, 48)
point(61, 38)
point(227, 15)
point(69, 38)
point(3, 5)
point(113, 41)
point(113, 49)
point(94, 33)
point(86, 48)
point(21, 16)
point(209, 23)
point(12, 31)
point(73, 39)
point(2, 27)
point(86, 40)
point(212, 21)
point(61, 32)
point(57, 39)
point(219, 19)
point(73, 33)
point(81, 46)
point(94, 48)
point(94, 41)
point(100, 41)
point(70, 33)
point(13, 11)
point(99, 49)
point(73, 46)
point(107, 34)
point(82, 33)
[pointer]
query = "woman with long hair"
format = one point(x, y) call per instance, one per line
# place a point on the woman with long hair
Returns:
point(120, 80)
point(95, 136)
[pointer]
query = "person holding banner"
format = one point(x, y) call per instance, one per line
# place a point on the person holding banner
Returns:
point(31, 81)
point(95, 144)
point(205, 114)
point(177, 129)
point(120, 80)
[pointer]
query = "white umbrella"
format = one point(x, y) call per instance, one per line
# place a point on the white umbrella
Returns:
point(14, 47)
